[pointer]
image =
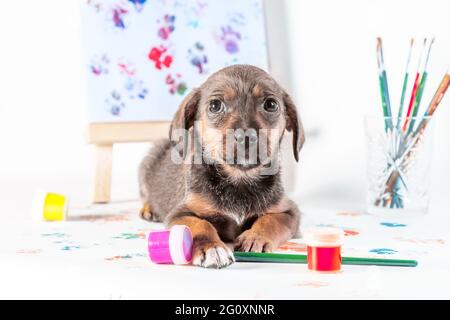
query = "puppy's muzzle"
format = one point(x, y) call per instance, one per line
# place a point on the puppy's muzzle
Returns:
point(242, 137)
point(246, 143)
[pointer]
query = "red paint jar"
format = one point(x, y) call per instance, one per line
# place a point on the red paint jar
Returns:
point(324, 249)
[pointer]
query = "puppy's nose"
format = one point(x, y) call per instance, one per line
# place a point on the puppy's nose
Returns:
point(239, 136)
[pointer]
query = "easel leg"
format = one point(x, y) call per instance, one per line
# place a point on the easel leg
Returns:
point(102, 173)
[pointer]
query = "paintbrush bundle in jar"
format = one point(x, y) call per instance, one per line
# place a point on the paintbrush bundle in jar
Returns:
point(399, 155)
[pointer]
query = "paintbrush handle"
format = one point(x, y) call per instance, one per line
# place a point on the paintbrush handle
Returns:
point(411, 101)
point(379, 262)
point(443, 86)
point(437, 98)
point(384, 90)
point(303, 259)
point(417, 101)
point(405, 84)
point(270, 257)
point(402, 99)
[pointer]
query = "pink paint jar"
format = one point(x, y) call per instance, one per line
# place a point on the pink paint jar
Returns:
point(324, 249)
point(172, 246)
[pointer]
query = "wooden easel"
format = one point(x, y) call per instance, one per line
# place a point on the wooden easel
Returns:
point(105, 135)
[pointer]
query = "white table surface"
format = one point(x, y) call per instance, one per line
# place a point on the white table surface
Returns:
point(92, 258)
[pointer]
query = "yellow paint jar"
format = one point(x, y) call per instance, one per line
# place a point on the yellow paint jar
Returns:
point(48, 206)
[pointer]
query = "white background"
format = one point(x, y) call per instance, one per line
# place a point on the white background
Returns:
point(331, 73)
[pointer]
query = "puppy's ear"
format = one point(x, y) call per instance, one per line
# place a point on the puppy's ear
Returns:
point(184, 118)
point(294, 124)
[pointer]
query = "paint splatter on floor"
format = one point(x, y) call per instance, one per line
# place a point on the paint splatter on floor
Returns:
point(101, 217)
point(422, 241)
point(313, 284)
point(392, 224)
point(350, 232)
point(327, 225)
point(130, 236)
point(146, 230)
point(70, 248)
point(63, 242)
point(383, 251)
point(29, 251)
point(56, 235)
point(125, 257)
point(293, 246)
point(349, 214)
point(116, 258)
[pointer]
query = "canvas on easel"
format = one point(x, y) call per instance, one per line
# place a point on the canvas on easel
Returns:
point(142, 57)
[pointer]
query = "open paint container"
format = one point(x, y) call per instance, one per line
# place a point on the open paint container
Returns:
point(172, 246)
point(324, 249)
point(49, 206)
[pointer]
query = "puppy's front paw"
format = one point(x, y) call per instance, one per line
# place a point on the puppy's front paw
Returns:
point(250, 241)
point(212, 255)
point(146, 212)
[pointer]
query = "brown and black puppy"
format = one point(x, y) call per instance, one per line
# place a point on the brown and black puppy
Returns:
point(223, 201)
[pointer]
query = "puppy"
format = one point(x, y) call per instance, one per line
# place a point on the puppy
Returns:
point(221, 199)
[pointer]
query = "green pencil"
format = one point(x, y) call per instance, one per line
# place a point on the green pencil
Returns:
point(302, 259)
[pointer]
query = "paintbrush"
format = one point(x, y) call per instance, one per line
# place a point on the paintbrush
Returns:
point(437, 98)
point(303, 259)
point(384, 90)
point(414, 90)
point(440, 92)
point(420, 89)
point(396, 201)
point(405, 83)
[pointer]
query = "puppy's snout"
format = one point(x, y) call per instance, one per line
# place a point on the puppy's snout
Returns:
point(240, 136)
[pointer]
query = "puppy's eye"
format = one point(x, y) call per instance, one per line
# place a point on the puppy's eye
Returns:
point(216, 106)
point(270, 105)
